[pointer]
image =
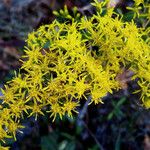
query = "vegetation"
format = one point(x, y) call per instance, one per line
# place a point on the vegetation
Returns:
point(78, 57)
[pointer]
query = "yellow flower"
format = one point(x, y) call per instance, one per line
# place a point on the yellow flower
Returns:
point(4, 148)
point(55, 110)
point(69, 107)
point(12, 127)
point(36, 109)
point(3, 133)
point(67, 61)
point(81, 86)
point(138, 2)
point(8, 94)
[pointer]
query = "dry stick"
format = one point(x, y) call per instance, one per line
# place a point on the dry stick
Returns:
point(146, 23)
point(84, 109)
point(85, 8)
point(81, 122)
point(93, 136)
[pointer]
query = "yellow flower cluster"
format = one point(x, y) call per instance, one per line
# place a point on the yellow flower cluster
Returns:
point(65, 62)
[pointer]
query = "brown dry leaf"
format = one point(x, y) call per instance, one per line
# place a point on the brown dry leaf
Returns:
point(69, 4)
point(146, 142)
point(11, 51)
point(7, 3)
point(113, 3)
point(4, 66)
point(124, 77)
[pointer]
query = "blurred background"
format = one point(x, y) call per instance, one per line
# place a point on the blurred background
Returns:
point(118, 124)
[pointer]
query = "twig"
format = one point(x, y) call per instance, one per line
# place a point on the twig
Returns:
point(146, 23)
point(84, 108)
point(81, 122)
point(85, 8)
point(93, 136)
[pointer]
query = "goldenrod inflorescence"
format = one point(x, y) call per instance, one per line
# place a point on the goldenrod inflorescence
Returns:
point(79, 58)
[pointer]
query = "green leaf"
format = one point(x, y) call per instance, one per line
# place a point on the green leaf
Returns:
point(49, 142)
point(118, 142)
